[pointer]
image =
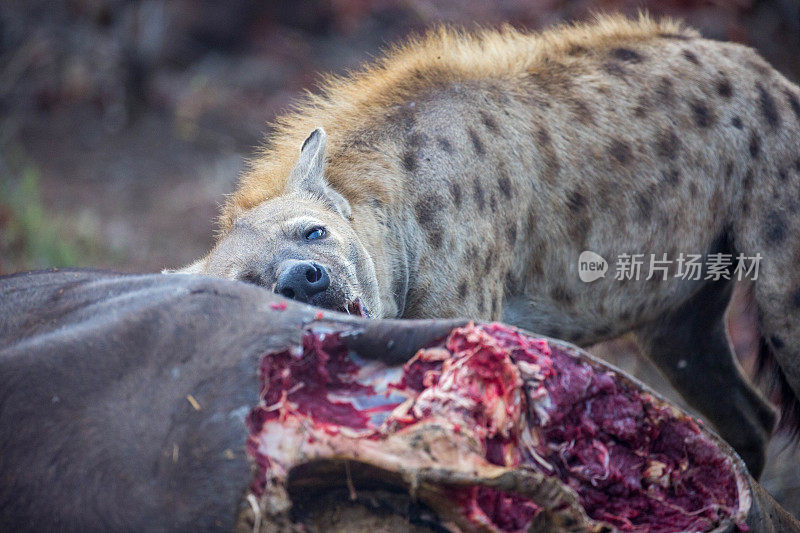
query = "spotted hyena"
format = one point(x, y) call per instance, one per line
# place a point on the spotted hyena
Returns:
point(463, 174)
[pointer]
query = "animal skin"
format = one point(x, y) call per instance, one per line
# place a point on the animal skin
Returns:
point(461, 175)
point(130, 403)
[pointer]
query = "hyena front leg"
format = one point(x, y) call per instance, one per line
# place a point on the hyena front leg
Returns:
point(691, 347)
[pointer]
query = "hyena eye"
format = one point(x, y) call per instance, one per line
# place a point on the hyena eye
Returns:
point(317, 232)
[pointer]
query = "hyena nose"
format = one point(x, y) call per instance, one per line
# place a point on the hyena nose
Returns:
point(301, 280)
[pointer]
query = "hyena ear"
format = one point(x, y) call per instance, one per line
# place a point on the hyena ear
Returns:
point(309, 176)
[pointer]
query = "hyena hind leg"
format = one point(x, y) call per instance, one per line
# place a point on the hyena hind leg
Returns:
point(778, 303)
point(769, 229)
point(691, 347)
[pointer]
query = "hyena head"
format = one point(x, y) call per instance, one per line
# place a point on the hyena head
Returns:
point(300, 244)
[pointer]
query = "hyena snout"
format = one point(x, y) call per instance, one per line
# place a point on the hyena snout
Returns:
point(302, 280)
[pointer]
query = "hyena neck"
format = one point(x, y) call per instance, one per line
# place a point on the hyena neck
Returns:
point(396, 257)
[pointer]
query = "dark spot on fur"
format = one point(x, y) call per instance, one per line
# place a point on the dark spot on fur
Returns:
point(645, 205)
point(455, 192)
point(579, 221)
point(557, 79)
point(608, 191)
point(690, 56)
point(510, 282)
point(782, 174)
point(503, 181)
point(490, 123)
point(776, 341)
point(444, 144)
point(642, 107)
point(428, 209)
point(729, 169)
point(671, 177)
point(794, 298)
point(619, 150)
point(410, 161)
point(625, 316)
point(794, 103)
point(493, 202)
point(476, 143)
point(774, 228)
point(535, 99)
point(549, 155)
point(626, 54)
point(462, 290)
point(417, 74)
point(664, 90)
point(561, 294)
point(436, 236)
point(488, 263)
point(797, 164)
point(404, 116)
point(376, 203)
point(581, 110)
point(755, 145)
point(602, 331)
point(768, 108)
point(693, 188)
point(747, 183)
point(724, 88)
point(472, 253)
point(480, 198)
point(575, 50)
point(359, 144)
point(736, 122)
point(667, 143)
point(417, 139)
point(576, 200)
point(702, 114)
point(537, 267)
point(614, 68)
point(482, 303)
point(543, 136)
point(511, 232)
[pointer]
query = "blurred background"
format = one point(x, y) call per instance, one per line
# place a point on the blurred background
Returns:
point(123, 124)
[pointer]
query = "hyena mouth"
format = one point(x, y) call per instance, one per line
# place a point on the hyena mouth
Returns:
point(358, 308)
point(487, 430)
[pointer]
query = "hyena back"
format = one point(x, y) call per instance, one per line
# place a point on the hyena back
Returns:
point(474, 169)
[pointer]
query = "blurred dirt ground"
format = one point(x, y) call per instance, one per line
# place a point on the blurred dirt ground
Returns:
point(123, 124)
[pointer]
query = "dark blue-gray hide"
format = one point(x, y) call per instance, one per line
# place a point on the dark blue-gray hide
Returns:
point(99, 374)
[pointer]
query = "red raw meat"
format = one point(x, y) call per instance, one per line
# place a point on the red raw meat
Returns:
point(504, 400)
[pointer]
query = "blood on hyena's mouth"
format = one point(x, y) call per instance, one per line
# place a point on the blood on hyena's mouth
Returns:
point(489, 430)
point(356, 307)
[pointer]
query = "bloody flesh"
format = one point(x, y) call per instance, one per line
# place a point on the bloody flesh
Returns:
point(633, 462)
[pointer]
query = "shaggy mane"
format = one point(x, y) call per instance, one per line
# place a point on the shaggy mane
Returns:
point(442, 55)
